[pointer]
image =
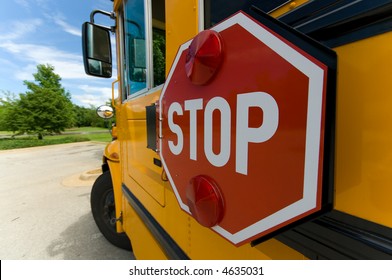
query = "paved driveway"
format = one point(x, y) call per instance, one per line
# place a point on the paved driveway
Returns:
point(45, 206)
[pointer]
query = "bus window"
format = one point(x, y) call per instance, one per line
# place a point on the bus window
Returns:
point(159, 41)
point(135, 45)
point(144, 50)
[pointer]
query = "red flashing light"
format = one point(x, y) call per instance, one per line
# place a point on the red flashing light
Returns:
point(205, 55)
point(205, 201)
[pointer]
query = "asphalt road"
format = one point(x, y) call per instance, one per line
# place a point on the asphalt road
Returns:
point(45, 205)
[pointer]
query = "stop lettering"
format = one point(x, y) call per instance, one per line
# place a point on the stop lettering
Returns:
point(244, 133)
point(243, 125)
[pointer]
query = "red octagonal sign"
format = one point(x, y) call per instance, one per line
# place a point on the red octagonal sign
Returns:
point(246, 126)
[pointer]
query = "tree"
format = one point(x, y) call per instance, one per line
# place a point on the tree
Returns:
point(83, 116)
point(46, 107)
point(10, 118)
point(159, 57)
point(89, 117)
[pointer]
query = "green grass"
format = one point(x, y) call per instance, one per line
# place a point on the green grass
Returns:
point(6, 144)
point(100, 137)
point(78, 135)
point(86, 129)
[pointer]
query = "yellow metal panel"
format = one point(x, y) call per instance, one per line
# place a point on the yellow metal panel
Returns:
point(144, 245)
point(171, 218)
point(136, 108)
point(364, 129)
point(207, 244)
point(199, 242)
point(116, 4)
point(175, 221)
point(144, 179)
point(363, 149)
point(181, 26)
point(140, 161)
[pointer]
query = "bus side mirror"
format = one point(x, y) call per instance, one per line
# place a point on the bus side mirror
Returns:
point(105, 112)
point(97, 53)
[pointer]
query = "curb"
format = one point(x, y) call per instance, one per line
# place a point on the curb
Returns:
point(90, 175)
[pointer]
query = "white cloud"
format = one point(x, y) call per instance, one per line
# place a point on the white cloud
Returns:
point(6, 64)
point(93, 95)
point(60, 20)
point(23, 58)
point(67, 65)
point(42, 3)
point(102, 91)
point(26, 73)
point(68, 28)
point(23, 3)
point(20, 29)
point(88, 100)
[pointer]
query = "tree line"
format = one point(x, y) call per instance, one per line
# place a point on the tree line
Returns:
point(45, 108)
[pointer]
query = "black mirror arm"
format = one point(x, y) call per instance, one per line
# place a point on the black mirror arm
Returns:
point(112, 15)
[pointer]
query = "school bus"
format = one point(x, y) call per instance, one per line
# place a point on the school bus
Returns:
point(246, 129)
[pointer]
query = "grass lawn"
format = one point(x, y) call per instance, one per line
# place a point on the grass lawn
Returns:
point(69, 136)
point(86, 129)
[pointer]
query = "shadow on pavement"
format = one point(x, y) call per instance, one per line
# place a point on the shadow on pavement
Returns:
point(84, 234)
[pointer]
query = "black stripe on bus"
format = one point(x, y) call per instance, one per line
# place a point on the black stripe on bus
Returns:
point(340, 236)
point(335, 236)
point(335, 23)
point(168, 245)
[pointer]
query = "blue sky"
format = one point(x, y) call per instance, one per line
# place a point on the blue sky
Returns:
point(49, 32)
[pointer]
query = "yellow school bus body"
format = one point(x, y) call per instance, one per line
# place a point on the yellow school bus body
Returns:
point(363, 151)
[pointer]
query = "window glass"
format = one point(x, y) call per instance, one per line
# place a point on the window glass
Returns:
point(159, 40)
point(159, 51)
point(144, 45)
point(135, 69)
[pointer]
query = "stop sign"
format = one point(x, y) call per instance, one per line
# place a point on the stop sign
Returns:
point(246, 119)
